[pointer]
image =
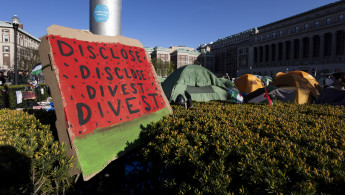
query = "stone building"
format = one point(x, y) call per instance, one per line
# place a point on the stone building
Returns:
point(225, 52)
point(206, 57)
point(313, 41)
point(27, 44)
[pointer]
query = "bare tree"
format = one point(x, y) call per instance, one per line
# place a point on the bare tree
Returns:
point(28, 58)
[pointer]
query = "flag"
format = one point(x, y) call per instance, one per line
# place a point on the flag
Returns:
point(235, 96)
point(268, 97)
point(37, 70)
point(315, 72)
point(258, 96)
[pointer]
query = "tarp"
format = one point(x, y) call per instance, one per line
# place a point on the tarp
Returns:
point(200, 83)
point(304, 90)
point(248, 83)
point(266, 80)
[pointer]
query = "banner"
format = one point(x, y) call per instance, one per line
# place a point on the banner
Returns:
point(106, 89)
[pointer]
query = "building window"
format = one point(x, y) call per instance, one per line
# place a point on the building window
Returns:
point(6, 38)
point(317, 24)
point(255, 39)
point(6, 49)
point(306, 27)
point(5, 31)
point(296, 29)
point(341, 18)
point(328, 21)
point(267, 36)
point(261, 37)
point(288, 31)
point(274, 35)
point(281, 33)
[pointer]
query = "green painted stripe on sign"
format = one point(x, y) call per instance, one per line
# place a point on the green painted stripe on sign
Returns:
point(98, 149)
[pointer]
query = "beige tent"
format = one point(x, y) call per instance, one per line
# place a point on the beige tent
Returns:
point(248, 83)
point(305, 91)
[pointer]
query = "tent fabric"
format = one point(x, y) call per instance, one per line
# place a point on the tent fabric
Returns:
point(161, 80)
point(304, 90)
point(228, 83)
point(305, 75)
point(248, 83)
point(283, 95)
point(331, 96)
point(195, 80)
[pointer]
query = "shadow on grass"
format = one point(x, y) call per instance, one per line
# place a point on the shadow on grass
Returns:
point(14, 172)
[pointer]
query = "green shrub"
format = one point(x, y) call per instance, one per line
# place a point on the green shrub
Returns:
point(222, 148)
point(12, 97)
point(33, 161)
point(39, 96)
point(2, 97)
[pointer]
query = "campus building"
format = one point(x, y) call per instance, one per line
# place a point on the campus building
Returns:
point(312, 41)
point(179, 55)
point(182, 57)
point(206, 57)
point(27, 47)
point(225, 52)
point(161, 53)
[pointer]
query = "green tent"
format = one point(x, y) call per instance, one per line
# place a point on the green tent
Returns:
point(197, 81)
point(228, 83)
point(161, 80)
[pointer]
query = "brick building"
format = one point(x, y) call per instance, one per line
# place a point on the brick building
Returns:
point(181, 56)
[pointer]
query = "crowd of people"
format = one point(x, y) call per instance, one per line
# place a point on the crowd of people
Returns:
point(24, 78)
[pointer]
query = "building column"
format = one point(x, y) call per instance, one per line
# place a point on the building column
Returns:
point(311, 48)
point(284, 51)
point(277, 54)
point(292, 51)
point(334, 46)
point(343, 32)
point(301, 49)
point(322, 47)
point(270, 55)
point(264, 55)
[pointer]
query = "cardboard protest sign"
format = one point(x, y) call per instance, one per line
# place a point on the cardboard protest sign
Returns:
point(103, 89)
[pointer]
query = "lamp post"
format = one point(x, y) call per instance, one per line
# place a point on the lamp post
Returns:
point(105, 17)
point(15, 23)
point(250, 69)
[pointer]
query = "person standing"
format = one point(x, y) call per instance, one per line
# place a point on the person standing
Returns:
point(21, 78)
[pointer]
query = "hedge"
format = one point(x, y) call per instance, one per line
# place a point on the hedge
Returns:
point(2, 97)
point(11, 97)
point(39, 96)
point(220, 148)
point(31, 161)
